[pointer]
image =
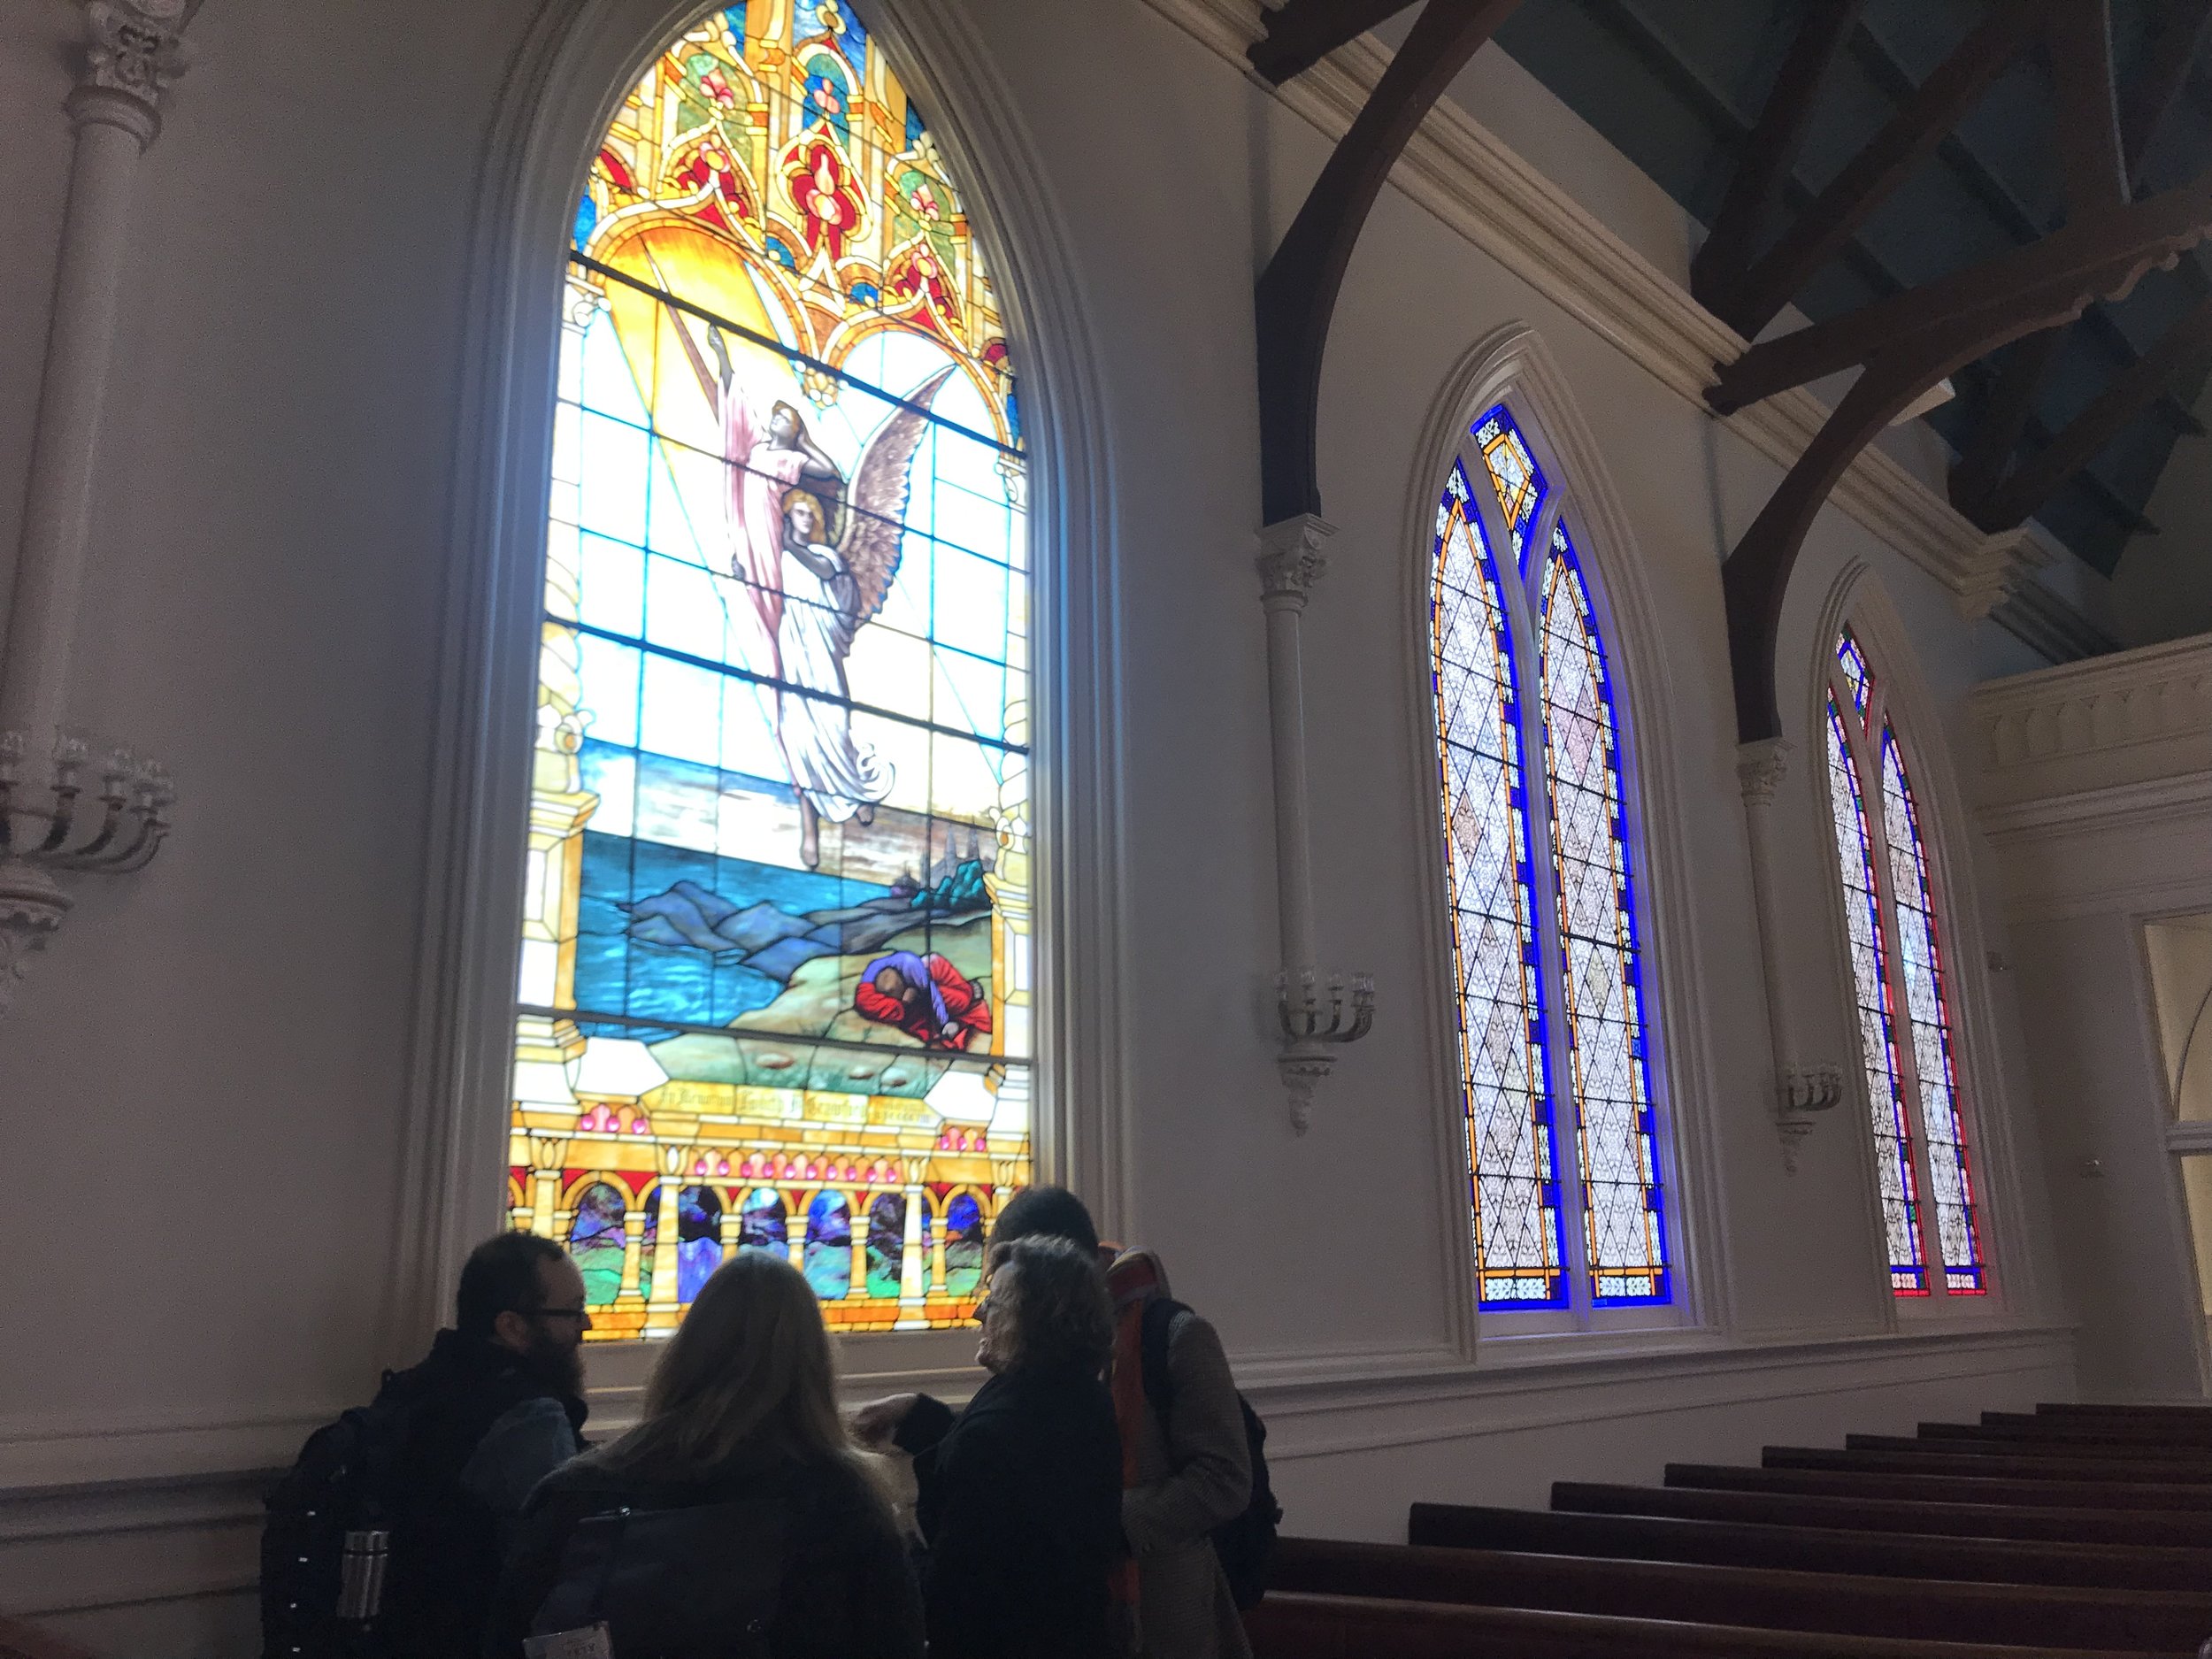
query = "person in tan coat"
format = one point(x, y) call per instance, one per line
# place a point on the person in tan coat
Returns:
point(1185, 1472)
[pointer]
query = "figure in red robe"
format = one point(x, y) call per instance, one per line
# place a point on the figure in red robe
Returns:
point(925, 997)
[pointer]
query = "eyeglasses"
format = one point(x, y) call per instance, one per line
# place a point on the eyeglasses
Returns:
point(554, 1313)
point(983, 1308)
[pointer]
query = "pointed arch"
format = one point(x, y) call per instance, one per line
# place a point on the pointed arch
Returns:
point(1910, 949)
point(582, 59)
point(1506, 405)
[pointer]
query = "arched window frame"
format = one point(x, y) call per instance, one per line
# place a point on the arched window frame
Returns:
point(1514, 367)
point(1856, 604)
point(564, 85)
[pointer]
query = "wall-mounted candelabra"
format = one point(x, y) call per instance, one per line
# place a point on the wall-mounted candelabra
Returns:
point(1314, 1021)
point(51, 825)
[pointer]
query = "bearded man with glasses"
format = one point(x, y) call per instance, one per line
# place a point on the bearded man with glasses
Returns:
point(450, 1451)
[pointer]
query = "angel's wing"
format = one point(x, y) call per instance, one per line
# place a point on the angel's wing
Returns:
point(875, 511)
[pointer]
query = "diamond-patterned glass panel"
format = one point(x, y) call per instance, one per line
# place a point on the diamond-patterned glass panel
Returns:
point(1513, 470)
point(1927, 1010)
point(1877, 1019)
point(1624, 1229)
point(1519, 1249)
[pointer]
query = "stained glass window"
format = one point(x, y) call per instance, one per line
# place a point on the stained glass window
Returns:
point(1903, 1001)
point(1927, 1011)
point(1876, 1020)
point(1519, 1247)
point(1574, 1221)
point(1623, 1218)
point(775, 978)
point(1519, 480)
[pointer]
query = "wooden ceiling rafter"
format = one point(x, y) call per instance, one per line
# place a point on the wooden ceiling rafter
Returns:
point(1301, 32)
point(1296, 293)
point(1906, 342)
point(2119, 144)
point(1753, 293)
point(1745, 139)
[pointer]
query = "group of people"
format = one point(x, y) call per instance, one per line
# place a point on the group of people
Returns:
point(1066, 1512)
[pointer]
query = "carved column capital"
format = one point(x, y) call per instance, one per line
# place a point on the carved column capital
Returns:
point(134, 48)
point(1760, 768)
point(1292, 558)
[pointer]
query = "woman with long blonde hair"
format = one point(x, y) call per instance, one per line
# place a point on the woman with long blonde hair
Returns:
point(736, 1519)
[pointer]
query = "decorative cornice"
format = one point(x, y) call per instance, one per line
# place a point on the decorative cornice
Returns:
point(1293, 558)
point(2154, 693)
point(1474, 184)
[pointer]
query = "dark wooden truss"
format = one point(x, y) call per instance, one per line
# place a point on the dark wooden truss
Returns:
point(1908, 341)
point(1297, 292)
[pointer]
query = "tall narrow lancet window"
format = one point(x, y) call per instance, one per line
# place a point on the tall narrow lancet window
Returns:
point(1547, 973)
point(775, 976)
point(1903, 998)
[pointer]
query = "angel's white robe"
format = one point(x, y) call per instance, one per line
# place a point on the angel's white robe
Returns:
point(837, 773)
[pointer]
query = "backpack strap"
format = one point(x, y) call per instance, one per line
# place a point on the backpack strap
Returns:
point(1160, 1314)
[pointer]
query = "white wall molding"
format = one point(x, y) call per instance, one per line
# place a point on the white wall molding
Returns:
point(1325, 1423)
point(1461, 172)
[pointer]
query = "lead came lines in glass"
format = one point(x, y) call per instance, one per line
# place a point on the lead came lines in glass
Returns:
point(1890, 1123)
point(1926, 1007)
point(1623, 1207)
point(1514, 1177)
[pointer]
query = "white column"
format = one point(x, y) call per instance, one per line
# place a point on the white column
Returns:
point(913, 1268)
point(1798, 1091)
point(1290, 562)
point(133, 53)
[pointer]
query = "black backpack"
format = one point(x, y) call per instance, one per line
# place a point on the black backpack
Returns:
point(345, 1481)
point(697, 1581)
point(1245, 1543)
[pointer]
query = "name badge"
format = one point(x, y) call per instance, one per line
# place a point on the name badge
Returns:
point(589, 1641)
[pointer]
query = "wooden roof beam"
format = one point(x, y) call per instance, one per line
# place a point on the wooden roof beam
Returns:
point(1912, 135)
point(1296, 294)
point(2100, 258)
point(1766, 160)
point(1304, 32)
point(2019, 496)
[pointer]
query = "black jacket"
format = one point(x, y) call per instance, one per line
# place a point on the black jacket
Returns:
point(447, 1547)
point(1020, 1505)
point(846, 1593)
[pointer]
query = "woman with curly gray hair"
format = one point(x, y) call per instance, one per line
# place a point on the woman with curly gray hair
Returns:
point(1020, 1502)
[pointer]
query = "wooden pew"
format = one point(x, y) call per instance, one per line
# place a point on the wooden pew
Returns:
point(2174, 1412)
point(1809, 1550)
point(2161, 1463)
point(1929, 1609)
point(2063, 1436)
point(1969, 1465)
point(2166, 1529)
point(1858, 1481)
point(1289, 1625)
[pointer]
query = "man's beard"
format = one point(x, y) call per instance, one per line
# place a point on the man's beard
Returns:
point(560, 1369)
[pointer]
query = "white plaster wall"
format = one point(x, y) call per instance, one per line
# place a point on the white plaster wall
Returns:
point(205, 1074)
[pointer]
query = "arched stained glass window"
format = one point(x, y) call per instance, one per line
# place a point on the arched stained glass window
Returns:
point(776, 924)
point(1519, 1252)
point(1563, 1223)
point(1624, 1222)
point(1903, 1001)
